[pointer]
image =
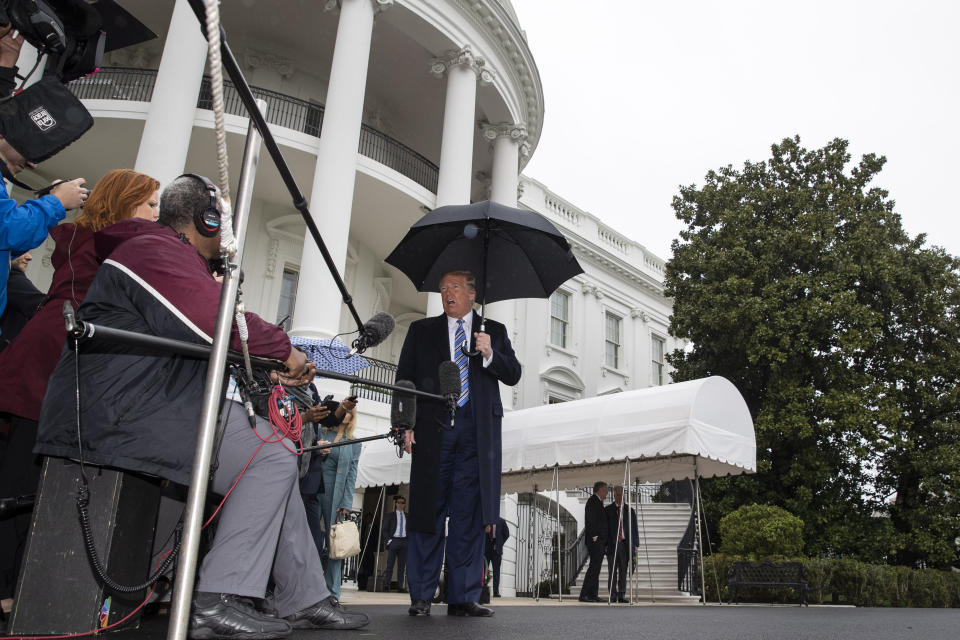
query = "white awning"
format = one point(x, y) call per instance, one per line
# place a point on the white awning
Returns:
point(701, 427)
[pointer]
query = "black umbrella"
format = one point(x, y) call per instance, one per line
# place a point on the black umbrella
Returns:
point(513, 253)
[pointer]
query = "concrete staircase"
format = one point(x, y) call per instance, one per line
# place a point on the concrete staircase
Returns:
point(655, 579)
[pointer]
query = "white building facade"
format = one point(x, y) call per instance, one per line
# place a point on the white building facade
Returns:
point(384, 110)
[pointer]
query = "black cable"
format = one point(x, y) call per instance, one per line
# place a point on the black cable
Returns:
point(83, 500)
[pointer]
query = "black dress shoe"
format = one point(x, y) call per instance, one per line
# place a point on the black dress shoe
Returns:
point(222, 615)
point(588, 599)
point(327, 614)
point(419, 608)
point(623, 600)
point(469, 609)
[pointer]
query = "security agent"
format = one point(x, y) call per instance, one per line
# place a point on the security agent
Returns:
point(147, 406)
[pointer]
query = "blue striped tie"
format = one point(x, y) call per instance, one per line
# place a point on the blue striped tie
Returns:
point(460, 338)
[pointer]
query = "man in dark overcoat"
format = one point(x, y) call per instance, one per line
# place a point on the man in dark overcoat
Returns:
point(455, 467)
point(595, 533)
point(621, 530)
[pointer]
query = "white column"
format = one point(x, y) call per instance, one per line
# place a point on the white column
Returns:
point(509, 141)
point(166, 132)
point(462, 69)
point(317, 313)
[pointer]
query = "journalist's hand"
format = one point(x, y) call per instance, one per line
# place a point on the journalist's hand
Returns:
point(299, 371)
point(315, 414)
point(408, 440)
point(9, 47)
point(71, 194)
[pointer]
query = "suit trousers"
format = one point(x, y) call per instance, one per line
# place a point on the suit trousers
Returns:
point(617, 570)
point(591, 581)
point(262, 530)
point(459, 482)
point(397, 552)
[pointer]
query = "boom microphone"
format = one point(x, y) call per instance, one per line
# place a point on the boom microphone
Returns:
point(373, 332)
point(448, 375)
point(403, 408)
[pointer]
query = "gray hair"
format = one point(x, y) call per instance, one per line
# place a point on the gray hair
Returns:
point(180, 200)
point(599, 484)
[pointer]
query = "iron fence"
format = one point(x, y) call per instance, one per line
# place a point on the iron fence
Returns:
point(378, 371)
point(126, 83)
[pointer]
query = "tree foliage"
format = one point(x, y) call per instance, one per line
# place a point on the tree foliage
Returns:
point(760, 532)
point(795, 280)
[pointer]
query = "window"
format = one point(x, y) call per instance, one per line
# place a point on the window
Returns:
point(559, 318)
point(288, 298)
point(656, 356)
point(612, 345)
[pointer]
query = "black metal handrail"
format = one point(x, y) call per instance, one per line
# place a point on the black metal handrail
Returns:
point(687, 556)
point(574, 557)
point(127, 83)
point(378, 371)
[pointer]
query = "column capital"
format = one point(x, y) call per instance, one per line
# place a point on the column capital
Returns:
point(378, 5)
point(464, 56)
point(516, 132)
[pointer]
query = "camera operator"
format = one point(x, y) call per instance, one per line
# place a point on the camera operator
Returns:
point(25, 227)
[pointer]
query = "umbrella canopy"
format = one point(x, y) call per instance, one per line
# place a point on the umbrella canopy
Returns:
point(331, 355)
point(513, 253)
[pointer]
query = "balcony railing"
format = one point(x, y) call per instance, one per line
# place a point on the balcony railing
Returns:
point(123, 83)
point(378, 371)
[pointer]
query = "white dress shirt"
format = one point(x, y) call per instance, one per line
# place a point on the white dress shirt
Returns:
point(467, 331)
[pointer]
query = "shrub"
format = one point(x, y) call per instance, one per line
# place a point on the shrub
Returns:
point(758, 531)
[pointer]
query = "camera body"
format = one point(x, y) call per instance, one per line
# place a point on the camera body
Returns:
point(70, 32)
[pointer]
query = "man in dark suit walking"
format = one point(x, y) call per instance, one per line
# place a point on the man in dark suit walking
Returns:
point(395, 540)
point(496, 538)
point(619, 552)
point(456, 465)
point(595, 533)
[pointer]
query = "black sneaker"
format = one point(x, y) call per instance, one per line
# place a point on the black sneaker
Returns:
point(327, 614)
point(223, 615)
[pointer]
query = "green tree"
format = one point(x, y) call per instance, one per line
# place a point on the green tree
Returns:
point(795, 280)
point(760, 531)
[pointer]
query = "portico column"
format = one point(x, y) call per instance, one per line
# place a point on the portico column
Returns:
point(463, 69)
point(317, 312)
point(170, 116)
point(509, 141)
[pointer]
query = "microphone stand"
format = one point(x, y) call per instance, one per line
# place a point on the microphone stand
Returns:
point(85, 331)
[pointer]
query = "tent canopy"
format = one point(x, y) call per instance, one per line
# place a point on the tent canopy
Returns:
point(701, 427)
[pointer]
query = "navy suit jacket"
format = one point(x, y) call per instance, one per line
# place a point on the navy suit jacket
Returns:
point(427, 345)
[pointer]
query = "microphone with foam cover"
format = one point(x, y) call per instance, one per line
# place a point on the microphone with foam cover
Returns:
point(448, 375)
point(375, 331)
point(403, 408)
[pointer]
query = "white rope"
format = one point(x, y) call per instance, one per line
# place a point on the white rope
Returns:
point(228, 243)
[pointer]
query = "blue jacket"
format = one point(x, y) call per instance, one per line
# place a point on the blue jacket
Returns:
point(22, 228)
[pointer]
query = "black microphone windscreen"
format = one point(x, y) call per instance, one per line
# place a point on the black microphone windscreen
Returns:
point(403, 408)
point(448, 376)
point(378, 328)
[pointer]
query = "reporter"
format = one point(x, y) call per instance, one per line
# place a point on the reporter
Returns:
point(26, 364)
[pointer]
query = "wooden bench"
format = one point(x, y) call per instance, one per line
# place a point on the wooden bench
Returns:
point(771, 575)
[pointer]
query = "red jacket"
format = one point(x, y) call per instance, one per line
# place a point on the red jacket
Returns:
point(26, 365)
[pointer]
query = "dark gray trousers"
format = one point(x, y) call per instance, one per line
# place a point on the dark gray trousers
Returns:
point(262, 529)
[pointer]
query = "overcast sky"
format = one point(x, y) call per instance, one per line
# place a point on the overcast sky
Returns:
point(642, 96)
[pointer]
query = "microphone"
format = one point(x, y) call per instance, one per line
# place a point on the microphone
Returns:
point(448, 376)
point(403, 408)
point(373, 332)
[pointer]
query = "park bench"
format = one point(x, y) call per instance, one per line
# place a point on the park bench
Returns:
point(771, 575)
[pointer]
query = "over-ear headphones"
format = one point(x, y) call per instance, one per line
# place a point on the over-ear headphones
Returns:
point(207, 219)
